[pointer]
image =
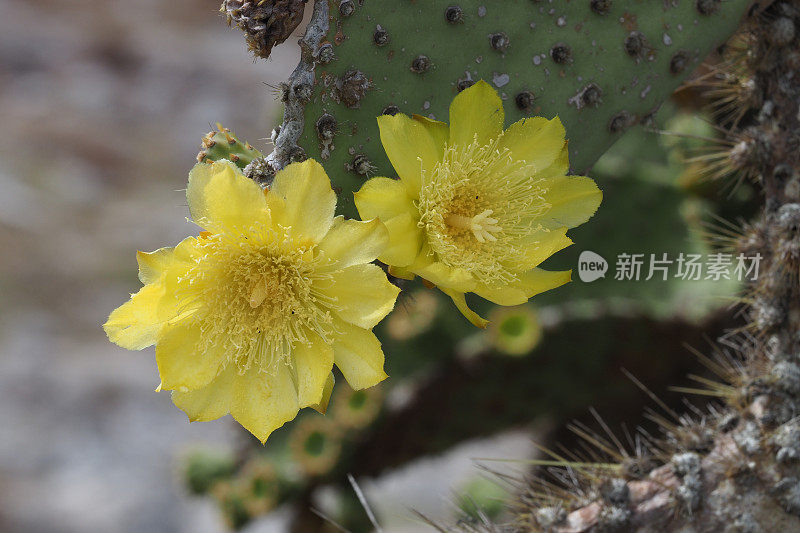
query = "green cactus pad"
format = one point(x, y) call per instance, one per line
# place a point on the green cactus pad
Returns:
point(223, 144)
point(600, 66)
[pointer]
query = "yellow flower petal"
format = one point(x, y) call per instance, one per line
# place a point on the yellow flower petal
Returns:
point(153, 264)
point(220, 196)
point(358, 354)
point(210, 402)
point(301, 197)
point(446, 277)
point(183, 363)
point(352, 242)
point(504, 295)
point(383, 198)
point(322, 406)
point(537, 280)
point(461, 303)
point(559, 167)
point(537, 141)
point(363, 294)
point(388, 200)
point(573, 200)
point(135, 324)
point(263, 402)
point(542, 244)
point(440, 131)
point(312, 364)
point(410, 147)
point(476, 111)
point(187, 251)
point(402, 273)
point(405, 240)
point(530, 284)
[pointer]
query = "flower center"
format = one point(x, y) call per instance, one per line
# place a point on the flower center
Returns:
point(254, 297)
point(478, 206)
point(481, 226)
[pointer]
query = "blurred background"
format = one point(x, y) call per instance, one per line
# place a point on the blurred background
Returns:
point(104, 103)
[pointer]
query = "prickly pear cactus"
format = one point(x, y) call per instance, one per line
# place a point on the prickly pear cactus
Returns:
point(223, 144)
point(601, 65)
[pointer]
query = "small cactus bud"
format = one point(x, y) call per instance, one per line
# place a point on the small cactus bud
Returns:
point(316, 445)
point(514, 331)
point(357, 409)
point(223, 144)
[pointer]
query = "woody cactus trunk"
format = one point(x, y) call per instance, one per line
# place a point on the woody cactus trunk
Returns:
point(604, 67)
point(733, 467)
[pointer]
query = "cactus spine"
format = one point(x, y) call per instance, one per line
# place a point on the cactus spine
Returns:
point(735, 467)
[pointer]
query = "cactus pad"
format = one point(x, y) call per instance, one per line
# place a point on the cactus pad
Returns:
point(601, 66)
point(223, 144)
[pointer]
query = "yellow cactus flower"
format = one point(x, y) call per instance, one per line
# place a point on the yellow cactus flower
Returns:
point(249, 317)
point(476, 208)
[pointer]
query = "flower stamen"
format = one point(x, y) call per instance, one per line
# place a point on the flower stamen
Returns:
point(477, 205)
point(259, 298)
point(481, 226)
point(259, 293)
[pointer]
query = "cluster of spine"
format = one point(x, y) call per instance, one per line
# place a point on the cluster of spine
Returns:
point(734, 466)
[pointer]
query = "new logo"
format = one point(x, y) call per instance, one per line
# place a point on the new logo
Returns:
point(591, 266)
